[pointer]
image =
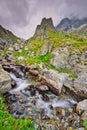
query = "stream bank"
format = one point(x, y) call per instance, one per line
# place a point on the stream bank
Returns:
point(32, 97)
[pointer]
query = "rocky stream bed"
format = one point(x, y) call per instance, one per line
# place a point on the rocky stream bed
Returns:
point(30, 96)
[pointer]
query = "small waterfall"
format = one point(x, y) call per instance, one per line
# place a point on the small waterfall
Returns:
point(21, 84)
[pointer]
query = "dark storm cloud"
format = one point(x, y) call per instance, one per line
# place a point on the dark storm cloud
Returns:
point(22, 16)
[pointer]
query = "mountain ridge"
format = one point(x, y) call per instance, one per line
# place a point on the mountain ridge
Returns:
point(67, 24)
point(8, 39)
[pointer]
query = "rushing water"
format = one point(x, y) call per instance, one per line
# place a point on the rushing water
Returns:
point(21, 84)
point(33, 103)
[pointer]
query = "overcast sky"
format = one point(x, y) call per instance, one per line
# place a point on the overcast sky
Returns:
point(22, 16)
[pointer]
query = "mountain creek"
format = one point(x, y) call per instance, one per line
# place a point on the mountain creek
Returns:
point(31, 97)
point(44, 78)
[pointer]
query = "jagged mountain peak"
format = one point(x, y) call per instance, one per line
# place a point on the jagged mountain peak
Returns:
point(46, 25)
point(47, 22)
point(71, 23)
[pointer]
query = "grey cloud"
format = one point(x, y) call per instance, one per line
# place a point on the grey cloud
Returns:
point(76, 8)
point(14, 12)
point(22, 16)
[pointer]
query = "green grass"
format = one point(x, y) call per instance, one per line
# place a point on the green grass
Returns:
point(85, 124)
point(35, 44)
point(59, 39)
point(3, 53)
point(40, 59)
point(63, 70)
point(7, 122)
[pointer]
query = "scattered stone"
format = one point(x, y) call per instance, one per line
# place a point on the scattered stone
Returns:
point(5, 81)
point(41, 87)
point(45, 98)
point(84, 115)
point(33, 72)
point(60, 112)
point(81, 106)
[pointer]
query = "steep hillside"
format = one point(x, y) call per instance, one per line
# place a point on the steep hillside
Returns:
point(57, 50)
point(8, 39)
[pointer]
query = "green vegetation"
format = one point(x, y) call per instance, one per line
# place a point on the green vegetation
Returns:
point(85, 124)
point(64, 70)
point(7, 35)
point(13, 38)
point(7, 122)
point(28, 54)
point(27, 59)
point(59, 39)
point(4, 52)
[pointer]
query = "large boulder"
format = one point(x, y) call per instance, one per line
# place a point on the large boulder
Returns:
point(57, 79)
point(82, 105)
point(5, 81)
point(78, 86)
point(82, 109)
point(60, 57)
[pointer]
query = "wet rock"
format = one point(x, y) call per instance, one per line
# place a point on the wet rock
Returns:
point(25, 92)
point(60, 112)
point(53, 86)
point(20, 112)
point(56, 77)
point(13, 83)
point(45, 98)
point(81, 106)
point(30, 87)
point(84, 115)
point(33, 72)
point(5, 81)
point(8, 68)
point(13, 98)
point(32, 91)
point(49, 125)
point(42, 87)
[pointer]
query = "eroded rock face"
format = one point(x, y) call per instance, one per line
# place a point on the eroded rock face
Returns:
point(60, 57)
point(5, 81)
point(78, 86)
point(75, 61)
point(46, 24)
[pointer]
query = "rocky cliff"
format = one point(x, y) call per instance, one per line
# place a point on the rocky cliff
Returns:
point(46, 25)
point(8, 40)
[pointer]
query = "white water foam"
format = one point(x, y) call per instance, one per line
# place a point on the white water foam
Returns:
point(20, 84)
